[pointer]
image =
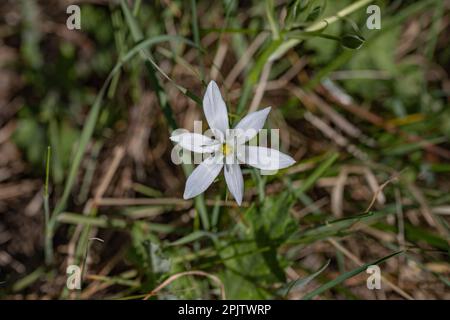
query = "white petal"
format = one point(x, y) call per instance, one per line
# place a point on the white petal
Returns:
point(253, 122)
point(202, 177)
point(265, 158)
point(235, 181)
point(196, 142)
point(215, 109)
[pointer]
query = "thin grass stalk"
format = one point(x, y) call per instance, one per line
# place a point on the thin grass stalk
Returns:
point(48, 246)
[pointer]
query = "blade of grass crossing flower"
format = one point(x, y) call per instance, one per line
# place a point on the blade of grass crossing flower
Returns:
point(163, 99)
point(179, 60)
point(86, 134)
point(154, 81)
point(83, 240)
point(346, 276)
point(92, 117)
point(255, 73)
point(152, 66)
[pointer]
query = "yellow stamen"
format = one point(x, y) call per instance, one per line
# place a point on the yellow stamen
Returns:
point(227, 149)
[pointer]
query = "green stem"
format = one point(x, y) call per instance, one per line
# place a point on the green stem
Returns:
point(286, 46)
point(48, 246)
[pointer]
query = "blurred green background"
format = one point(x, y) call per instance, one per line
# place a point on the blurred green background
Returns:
point(365, 113)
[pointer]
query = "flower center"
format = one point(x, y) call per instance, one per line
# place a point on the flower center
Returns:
point(227, 149)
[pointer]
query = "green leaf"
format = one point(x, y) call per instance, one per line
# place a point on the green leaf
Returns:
point(270, 256)
point(134, 28)
point(347, 56)
point(302, 282)
point(196, 235)
point(314, 14)
point(293, 10)
point(319, 25)
point(318, 172)
point(147, 255)
point(30, 137)
point(270, 12)
point(352, 41)
point(159, 263)
point(346, 276)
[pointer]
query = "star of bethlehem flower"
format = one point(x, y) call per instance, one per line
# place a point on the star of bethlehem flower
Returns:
point(227, 148)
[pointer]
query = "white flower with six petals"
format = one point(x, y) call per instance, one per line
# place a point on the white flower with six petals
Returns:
point(228, 148)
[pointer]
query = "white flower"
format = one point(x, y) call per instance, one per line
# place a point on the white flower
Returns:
point(227, 148)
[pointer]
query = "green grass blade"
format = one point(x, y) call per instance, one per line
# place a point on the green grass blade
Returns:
point(196, 35)
point(312, 178)
point(164, 100)
point(194, 236)
point(346, 276)
point(346, 55)
point(48, 235)
point(270, 13)
point(302, 282)
point(287, 45)
point(132, 23)
point(92, 117)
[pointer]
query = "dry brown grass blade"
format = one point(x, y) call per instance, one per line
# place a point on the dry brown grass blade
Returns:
point(218, 60)
point(427, 212)
point(95, 286)
point(244, 60)
point(380, 122)
point(314, 100)
point(378, 191)
point(13, 190)
point(337, 194)
point(373, 184)
point(162, 202)
point(119, 153)
point(7, 131)
point(261, 88)
point(338, 188)
point(335, 136)
point(297, 65)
